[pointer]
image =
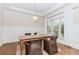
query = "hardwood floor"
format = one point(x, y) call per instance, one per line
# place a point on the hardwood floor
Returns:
point(66, 50)
point(10, 49)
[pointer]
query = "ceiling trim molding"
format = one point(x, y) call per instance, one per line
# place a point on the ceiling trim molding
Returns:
point(55, 15)
point(57, 7)
point(26, 11)
point(53, 9)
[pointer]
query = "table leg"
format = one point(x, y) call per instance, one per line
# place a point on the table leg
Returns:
point(42, 45)
point(21, 47)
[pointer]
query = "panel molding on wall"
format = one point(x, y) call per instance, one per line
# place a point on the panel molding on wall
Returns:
point(76, 15)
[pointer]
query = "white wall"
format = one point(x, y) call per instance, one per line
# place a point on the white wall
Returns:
point(71, 28)
point(71, 32)
point(0, 27)
point(16, 24)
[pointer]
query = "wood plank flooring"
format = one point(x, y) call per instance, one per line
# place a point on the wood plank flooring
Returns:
point(10, 49)
point(66, 50)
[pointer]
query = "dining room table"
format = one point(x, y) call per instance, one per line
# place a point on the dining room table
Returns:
point(25, 39)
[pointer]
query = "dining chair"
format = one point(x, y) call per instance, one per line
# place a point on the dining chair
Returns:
point(50, 45)
point(35, 33)
point(33, 47)
point(27, 33)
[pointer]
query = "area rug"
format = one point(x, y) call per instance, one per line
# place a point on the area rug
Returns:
point(18, 52)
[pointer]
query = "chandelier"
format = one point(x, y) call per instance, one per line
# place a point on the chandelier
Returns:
point(35, 17)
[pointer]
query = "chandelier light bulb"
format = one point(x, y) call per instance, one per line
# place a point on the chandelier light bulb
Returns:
point(35, 18)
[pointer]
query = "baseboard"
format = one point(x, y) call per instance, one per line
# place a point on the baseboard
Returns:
point(1, 44)
point(10, 42)
point(7, 42)
point(68, 44)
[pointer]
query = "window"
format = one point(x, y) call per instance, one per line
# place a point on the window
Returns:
point(56, 27)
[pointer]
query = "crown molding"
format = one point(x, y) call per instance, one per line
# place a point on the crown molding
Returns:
point(57, 7)
point(53, 9)
point(24, 11)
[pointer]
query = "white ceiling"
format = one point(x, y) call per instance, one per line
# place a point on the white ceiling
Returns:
point(41, 8)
